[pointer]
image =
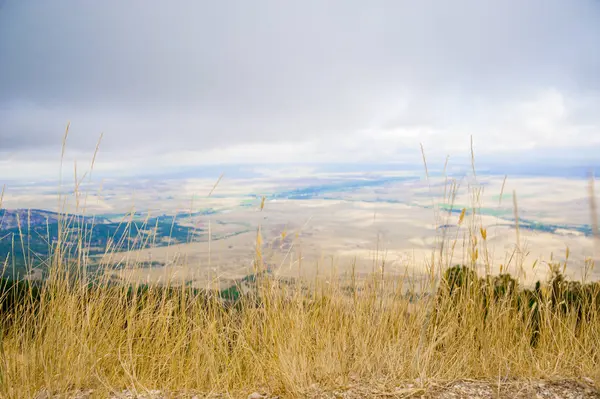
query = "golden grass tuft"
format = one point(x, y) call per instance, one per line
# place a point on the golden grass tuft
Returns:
point(109, 337)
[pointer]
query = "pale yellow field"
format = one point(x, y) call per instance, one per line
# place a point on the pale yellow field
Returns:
point(324, 234)
point(321, 235)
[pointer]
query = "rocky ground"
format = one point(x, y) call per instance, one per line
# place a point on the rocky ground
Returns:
point(559, 389)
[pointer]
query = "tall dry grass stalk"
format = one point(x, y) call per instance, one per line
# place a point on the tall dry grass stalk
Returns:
point(74, 332)
point(110, 337)
point(594, 217)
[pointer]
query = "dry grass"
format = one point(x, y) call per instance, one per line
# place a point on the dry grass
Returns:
point(106, 340)
point(283, 339)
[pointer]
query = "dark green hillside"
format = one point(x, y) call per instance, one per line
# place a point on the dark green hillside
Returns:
point(10, 218)
point(30, 244)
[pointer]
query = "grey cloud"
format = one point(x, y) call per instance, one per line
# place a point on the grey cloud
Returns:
point(162, 76)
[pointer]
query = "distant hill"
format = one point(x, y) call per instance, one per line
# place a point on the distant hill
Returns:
point(31, 236)
point(12, 218)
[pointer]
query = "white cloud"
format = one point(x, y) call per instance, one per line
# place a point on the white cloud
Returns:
point(275, 82)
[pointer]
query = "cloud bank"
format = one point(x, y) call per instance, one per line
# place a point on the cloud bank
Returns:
point(198, 82)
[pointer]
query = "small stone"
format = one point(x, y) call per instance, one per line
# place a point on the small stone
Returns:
point(256, 395)
point(43, 395)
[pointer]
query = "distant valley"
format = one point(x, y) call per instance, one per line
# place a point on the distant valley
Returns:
point(345, 216)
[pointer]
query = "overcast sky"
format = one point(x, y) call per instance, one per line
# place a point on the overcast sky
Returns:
point(201, 82)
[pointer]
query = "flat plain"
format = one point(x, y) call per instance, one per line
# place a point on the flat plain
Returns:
point(331, 223)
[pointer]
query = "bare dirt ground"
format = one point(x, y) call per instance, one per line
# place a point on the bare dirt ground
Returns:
point(537, 389)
